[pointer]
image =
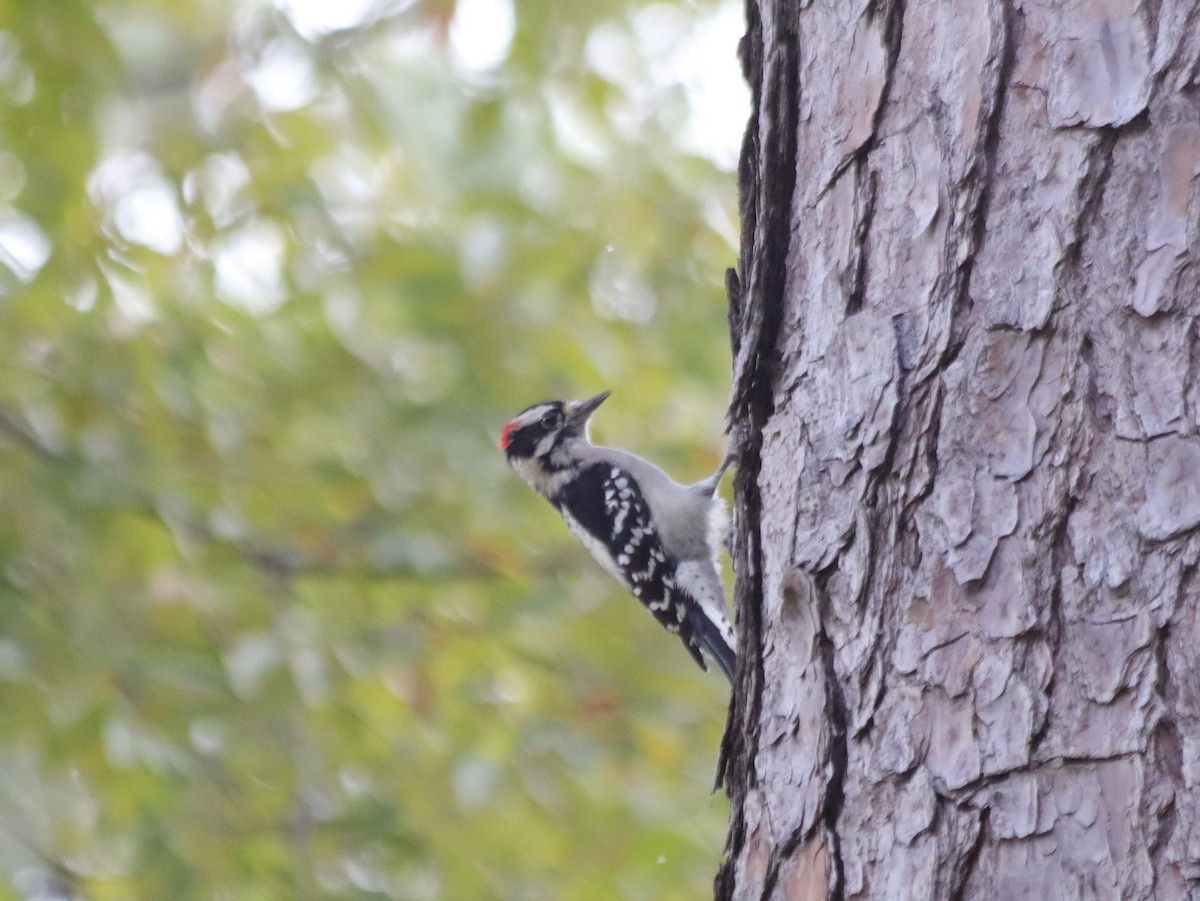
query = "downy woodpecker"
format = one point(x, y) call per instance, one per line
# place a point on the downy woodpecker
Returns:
point(659, 539)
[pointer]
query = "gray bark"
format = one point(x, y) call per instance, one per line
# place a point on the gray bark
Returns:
point(968, 499)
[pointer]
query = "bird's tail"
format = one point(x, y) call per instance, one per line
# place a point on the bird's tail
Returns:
point(704, 625)
point(717, 646)
point(713, 640)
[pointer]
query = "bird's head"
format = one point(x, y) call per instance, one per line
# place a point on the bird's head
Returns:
point(537, 441)
point(537, 430)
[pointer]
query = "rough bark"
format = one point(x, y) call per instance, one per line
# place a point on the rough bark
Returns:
point(967, 401)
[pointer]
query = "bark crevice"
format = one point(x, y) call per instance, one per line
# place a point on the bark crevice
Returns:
point(767, 173)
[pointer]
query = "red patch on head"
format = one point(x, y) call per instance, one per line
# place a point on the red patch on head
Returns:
point(506, 436)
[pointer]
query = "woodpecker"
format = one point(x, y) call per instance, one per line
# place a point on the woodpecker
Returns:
point(661, 540)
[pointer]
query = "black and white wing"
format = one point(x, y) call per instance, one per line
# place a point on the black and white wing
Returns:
point(605, 509)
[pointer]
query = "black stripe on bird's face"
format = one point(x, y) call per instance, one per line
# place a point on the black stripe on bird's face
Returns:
point(533, 431)
point(537, 430)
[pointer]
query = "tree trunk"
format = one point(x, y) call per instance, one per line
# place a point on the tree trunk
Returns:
point(969, 486)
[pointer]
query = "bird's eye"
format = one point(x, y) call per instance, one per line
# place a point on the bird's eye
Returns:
point(552, 419)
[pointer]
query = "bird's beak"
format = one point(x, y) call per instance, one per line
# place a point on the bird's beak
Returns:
point(579, 411)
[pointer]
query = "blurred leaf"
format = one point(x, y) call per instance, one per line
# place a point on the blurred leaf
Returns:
point(275, 620)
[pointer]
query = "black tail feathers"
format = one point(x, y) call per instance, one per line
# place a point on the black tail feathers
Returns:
point(725, 656)
point(715, 646)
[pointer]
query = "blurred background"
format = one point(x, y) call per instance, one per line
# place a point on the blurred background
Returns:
point(275, 619)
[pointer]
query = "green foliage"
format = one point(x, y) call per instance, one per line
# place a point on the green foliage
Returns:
point(275, 621)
